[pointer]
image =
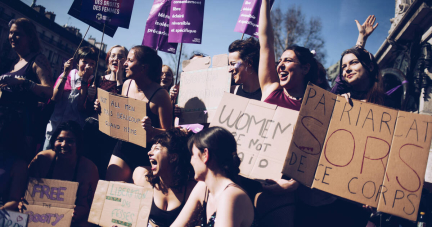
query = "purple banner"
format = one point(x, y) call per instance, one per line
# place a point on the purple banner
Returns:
point(186, 21)
point(112, 12)
point(157, 27)
point(248, 20)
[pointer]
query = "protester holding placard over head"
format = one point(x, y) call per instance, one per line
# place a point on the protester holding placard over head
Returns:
point(143, 71)
point(28, 79)
point(13, 167)
point(216, 199)
point(243, 60)
point(70, 91)
point(65, 162)
point(171, 175)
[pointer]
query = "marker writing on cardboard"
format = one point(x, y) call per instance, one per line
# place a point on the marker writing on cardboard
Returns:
point(45, 218)
point(53, 193)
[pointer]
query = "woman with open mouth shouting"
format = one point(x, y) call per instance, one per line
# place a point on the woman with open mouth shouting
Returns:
point(171, 176)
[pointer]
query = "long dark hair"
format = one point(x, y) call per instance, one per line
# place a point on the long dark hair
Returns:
point(175, 140)
point(73, 127)
point(222, 148)
point(375, 91)
point(148, 56)
point(30, 30)
point(249, 51)
point(305, 56)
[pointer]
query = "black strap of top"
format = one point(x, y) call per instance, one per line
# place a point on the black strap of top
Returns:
point(154, 93)
point(51, 169)
point(127, 92)
point(32, 60)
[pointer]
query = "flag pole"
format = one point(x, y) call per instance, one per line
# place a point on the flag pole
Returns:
point(242, 36)
point(97, 63)
point(177, 81)
point(81, 42)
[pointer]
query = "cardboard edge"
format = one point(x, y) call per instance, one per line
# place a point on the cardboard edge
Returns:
point(98, 202)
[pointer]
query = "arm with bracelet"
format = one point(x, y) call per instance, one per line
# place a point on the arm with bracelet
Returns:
point(59, 87)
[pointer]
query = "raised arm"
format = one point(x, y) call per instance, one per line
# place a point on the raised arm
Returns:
point(268, 78)
point(365, 30)
point(61, 81)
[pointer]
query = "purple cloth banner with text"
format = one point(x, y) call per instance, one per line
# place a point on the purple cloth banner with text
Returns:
point(157, 27)
point(248, 20)
point(113, 12)
point(186, 21)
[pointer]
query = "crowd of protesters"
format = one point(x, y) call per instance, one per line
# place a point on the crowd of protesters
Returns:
point(195, 177)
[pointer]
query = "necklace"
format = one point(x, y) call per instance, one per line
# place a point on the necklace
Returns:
point(291, 97)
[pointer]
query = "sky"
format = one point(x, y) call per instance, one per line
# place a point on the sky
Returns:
point(220, 16)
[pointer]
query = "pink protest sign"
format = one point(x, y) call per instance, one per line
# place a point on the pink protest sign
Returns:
point(248, 20)
point(186, 21)
point(157, 27)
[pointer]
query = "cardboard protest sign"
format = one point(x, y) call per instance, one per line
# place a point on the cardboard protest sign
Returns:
point(12, 218)
point(263, 133)
point(51, 202)
point(113, 12)
point(75, 11)
point(310, 131)
point(157, 27)
point(122, 204)
point(248, 20)
point(186, 21)
point(428, 174)
point(201, 88)
point(121, 116)
point(356, 151)
point(401, 189)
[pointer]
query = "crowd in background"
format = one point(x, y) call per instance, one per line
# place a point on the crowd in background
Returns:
point(49, 129)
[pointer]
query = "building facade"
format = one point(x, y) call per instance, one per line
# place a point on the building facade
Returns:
point(58, 42)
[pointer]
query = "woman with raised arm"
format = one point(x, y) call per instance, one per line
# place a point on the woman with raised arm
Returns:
point(216, 200)
point(171, 176)
point(243, 62)
point(143, 71)
point(29, 79)
point(65, 162)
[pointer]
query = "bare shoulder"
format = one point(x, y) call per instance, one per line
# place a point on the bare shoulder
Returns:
point(46, 155)
point(161, 95)
point(125, 86)
point(42, 68)
point(139, 175)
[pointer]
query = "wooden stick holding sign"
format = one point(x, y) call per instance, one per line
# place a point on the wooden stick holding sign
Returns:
point(95, 83)
point(76, 51)
point(177, 81)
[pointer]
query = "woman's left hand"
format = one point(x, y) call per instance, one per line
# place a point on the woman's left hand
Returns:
point(146, 124)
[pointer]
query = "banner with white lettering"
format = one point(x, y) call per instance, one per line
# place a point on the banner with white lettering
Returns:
point(248, 20)
point(113, 12)
point(157, 27)
point(186, 21)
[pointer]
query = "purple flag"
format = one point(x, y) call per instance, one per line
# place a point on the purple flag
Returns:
point(157, 27)
point(113, 12)
point(186, 23)
point(248, 20)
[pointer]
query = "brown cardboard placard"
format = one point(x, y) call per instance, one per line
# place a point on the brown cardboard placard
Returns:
point(43, 216)
point(311, 129)
point(263, 133)
point(118, 203)
point(51, 193)
point(356, 150)
point(401, 191)
point(202, 88)
point(12, 218)
point(51, 202)
point(121, 116)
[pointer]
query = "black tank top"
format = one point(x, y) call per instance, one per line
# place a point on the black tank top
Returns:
point(164, 218)
point(256, 95)
point(53, 163)
point(16, 95)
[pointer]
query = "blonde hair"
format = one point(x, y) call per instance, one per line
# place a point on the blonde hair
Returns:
point(108, 71)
